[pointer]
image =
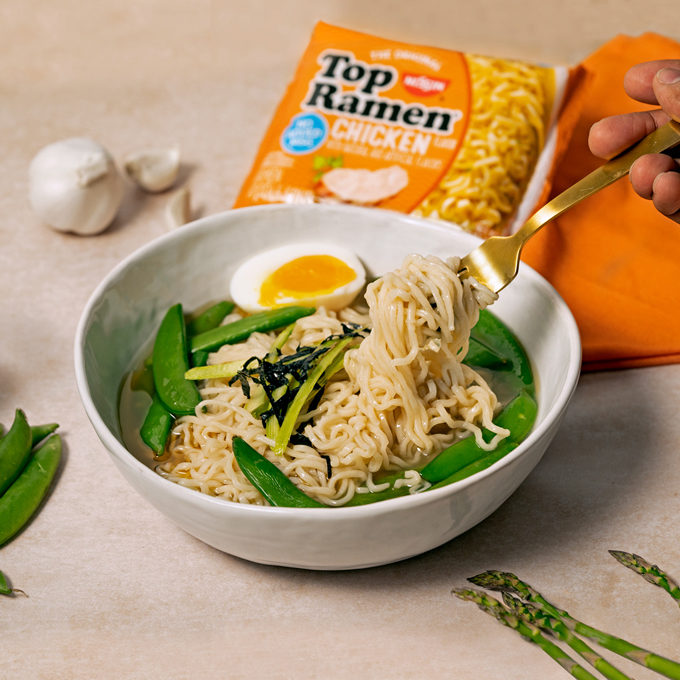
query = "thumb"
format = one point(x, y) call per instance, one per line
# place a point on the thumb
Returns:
point(667, 91)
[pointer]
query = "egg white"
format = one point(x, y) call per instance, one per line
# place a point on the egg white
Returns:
point(248, 278)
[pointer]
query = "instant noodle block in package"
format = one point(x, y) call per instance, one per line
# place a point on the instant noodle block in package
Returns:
point(432, 132)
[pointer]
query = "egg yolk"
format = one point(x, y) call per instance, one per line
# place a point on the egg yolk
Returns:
point(305, 277)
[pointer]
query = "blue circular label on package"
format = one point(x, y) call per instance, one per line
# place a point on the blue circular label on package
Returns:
point(305, 133)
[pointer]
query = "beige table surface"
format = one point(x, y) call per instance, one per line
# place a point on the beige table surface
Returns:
point(116, 590)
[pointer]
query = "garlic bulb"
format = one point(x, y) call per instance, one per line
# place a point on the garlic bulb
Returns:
point(74, 186)
point(153, 169)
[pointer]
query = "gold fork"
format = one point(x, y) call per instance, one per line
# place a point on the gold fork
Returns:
point(494, 263)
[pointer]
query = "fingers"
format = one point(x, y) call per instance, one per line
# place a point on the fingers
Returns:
point(610, 136)
point(666, 194)
point(657, 177)
point(667, 90)
point(645, 170)
point(638, 81)
point(652, 82)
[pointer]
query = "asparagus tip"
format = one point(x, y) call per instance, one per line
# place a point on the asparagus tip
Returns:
point(626, 558)
point(497, 580)
point(650, 572)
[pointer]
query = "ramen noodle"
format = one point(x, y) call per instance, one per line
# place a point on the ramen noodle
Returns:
point(464, 138)
point(403, 396)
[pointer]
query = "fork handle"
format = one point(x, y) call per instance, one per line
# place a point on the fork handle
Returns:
point(663, 138)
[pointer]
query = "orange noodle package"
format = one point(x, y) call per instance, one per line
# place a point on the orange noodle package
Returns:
point(432, 132)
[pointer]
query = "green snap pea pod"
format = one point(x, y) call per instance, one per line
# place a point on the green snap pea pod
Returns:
point(491, 457)
point(6, 588)
point(493, 334)
point(210, 318)
point(518, 416)
point(23, 498)
point(158, 420)
point(40, 432)
point(156, 426)
point(237, 331)
point(483, 356)
point(199, 358)
point(171, 362)
point(208, 321)
point(269, 480)
point(15, 450)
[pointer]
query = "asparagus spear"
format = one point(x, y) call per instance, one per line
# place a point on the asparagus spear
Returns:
point(536, 616)
point(507, 582)
point(650, 572)
point(527, 630)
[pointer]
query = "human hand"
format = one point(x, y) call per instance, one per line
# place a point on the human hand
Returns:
point(654, 176)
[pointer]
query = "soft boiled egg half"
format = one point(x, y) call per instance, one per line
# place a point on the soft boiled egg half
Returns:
point(314, 274)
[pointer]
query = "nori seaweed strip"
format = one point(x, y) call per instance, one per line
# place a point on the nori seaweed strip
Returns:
point(243, 375)
point(289, 371)
point(329, 469)
point(274, 374)
point(298, 438)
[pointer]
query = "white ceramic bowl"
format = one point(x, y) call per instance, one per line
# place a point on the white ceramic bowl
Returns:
point(193, 265)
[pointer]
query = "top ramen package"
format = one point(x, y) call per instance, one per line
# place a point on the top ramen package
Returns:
point(432, 132)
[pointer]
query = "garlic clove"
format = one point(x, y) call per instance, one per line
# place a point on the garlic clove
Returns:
point(153, 170)
point(178, 210)
point(74, 186)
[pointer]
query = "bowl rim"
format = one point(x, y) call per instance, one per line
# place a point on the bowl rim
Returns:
point(193, 497)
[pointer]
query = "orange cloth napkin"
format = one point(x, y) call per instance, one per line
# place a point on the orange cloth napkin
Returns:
point(613, 258)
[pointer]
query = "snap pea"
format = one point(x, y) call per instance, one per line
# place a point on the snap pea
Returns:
point(210, 318)
point(518, 416)
point(22, 499)
point(524, 424)
point(200, 371)
point(199, 358)
point(269, 480)
point(481, 355)
point(40, 432)
point(156, 426)
point(6, 588)
point(160, 416)
point(237, 331)
point(492, 334)
point(171, 362)
point(15, 450)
